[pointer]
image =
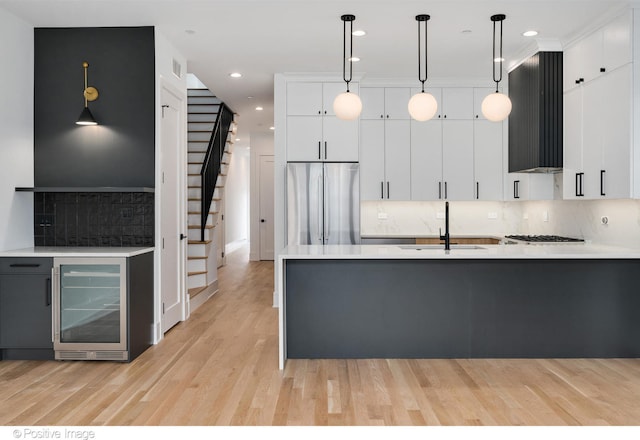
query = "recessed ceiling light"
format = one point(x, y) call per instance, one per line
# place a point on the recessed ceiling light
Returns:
point(354, 59)
point(530, 33)
point(358, 33)
point(237, 139)
point(235, 75)
point(259, 108)
point(272, 128)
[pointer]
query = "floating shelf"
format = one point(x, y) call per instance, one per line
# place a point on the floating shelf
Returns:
point(92, 189)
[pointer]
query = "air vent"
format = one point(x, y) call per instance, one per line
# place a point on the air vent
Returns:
point(177, 68)
point(71, 355)
point(91, 355)
point(111, 355)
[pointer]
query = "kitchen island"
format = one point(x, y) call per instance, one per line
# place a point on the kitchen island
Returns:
point(492, 301)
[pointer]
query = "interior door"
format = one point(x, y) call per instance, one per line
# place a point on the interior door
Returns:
point(173, 209)
point(266, 207)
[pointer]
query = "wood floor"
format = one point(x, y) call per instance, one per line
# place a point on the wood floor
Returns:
point(221, 368)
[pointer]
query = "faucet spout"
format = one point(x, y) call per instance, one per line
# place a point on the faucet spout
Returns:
point(446, 237)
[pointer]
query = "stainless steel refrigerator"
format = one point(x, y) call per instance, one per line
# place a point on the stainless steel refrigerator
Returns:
point(323, 203)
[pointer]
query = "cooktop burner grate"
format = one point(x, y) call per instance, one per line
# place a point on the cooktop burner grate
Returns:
point(544, 239)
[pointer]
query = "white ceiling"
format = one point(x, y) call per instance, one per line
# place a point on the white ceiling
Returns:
point(261, 37)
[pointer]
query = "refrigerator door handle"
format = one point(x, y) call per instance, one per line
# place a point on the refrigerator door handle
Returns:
point(320, 210)
point(55, 298)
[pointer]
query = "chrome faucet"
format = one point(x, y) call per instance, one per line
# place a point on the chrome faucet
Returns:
point(446, 237)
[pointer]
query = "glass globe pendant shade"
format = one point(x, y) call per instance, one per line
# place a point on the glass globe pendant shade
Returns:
point(422, 106)
point(496, 107)
point(347, 106)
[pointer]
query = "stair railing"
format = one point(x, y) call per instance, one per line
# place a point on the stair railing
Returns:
point(213, 162)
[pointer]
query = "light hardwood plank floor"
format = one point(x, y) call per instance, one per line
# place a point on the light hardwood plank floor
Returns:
point(221, 368)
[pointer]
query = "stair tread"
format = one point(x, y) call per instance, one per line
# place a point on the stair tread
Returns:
point(199, 242)
point(198, 258)
point(202, 272)
point(196, 290)
point(198, 212)
point(195, 163)
point(198, 227)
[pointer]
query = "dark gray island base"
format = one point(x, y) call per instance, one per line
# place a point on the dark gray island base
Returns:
point(464, 308)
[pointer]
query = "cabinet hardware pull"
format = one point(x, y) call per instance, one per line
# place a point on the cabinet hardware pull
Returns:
point(319, 112)
point(581, 80)
point(516, 189)
point(477, 190)
point(382, 116)
point(325, 149)
point(382, 190)
point(48, 294)
point(24, 265)
point(602, 69)
point(579, 183)
point(387, 189)
point(445, 187)
point(319, 150)
point(577, 81)
point(439, 190)
point(602, 193)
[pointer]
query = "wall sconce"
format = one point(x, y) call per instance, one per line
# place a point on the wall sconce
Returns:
point(90, 94)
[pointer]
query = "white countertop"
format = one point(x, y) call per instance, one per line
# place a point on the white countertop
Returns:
point(64, 251)
point(501, 251)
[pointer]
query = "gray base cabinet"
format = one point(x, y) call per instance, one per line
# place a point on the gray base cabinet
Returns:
point(25, 308)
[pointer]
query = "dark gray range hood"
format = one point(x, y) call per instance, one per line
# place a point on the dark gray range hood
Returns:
point(535, 123)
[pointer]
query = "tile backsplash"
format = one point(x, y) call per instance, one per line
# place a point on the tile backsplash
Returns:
point(94, 219)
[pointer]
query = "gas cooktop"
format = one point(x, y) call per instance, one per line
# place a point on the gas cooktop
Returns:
point(542, 239)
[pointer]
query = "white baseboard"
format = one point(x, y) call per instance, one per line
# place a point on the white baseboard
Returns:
point(203, 296)
point(234, 245)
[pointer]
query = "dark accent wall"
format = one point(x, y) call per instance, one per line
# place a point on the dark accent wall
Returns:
point(94, 219)
point(535, 122)
point(120, 151)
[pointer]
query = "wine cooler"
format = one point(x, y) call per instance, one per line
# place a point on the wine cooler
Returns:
point(89, 309)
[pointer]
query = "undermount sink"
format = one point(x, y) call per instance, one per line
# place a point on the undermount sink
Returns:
point(419, 247)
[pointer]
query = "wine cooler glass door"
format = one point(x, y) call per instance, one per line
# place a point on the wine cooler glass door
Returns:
point(91, 304)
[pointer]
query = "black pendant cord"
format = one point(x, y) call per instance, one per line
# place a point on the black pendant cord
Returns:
point(495, 18)
point(345, 19)
point(421, 18)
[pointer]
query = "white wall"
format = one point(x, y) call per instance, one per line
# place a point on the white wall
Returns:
point(16, 128)
point(237, 198)
point(261, 144)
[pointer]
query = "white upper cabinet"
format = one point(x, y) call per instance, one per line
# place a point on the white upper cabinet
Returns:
point(372, 102)
point(602, 51)
point(457, 103)
point(457, 160)
point(314, 133)
point(396, 101)
point(385, 102)
point(479, 93)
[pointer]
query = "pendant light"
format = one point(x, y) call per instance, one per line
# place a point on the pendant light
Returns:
point(347, 105)
point(497, 106)
point(422, 106)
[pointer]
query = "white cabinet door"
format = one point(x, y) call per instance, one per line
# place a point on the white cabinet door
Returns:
point(329, 92)
point(593, 97)
point(304, 138)
point(426, 160)
point(396, 101)
point(304, 98)
point(616, 136)
point(572, 66)
point(457, 160)
point(592, 57)
point(572, 150)
point(397, 159)
point(457, 103)
point(340, 139)
point(372, 102)
point(479, 93)
point(372, 182)
point(616, 43)
point(487, 154)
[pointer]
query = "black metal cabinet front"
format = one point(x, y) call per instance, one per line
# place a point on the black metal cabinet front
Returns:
point(25, 308)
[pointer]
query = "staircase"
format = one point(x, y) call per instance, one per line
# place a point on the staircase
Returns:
point(203, 108)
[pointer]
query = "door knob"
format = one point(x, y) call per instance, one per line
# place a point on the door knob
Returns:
point(262, 220)
point(182, 236)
